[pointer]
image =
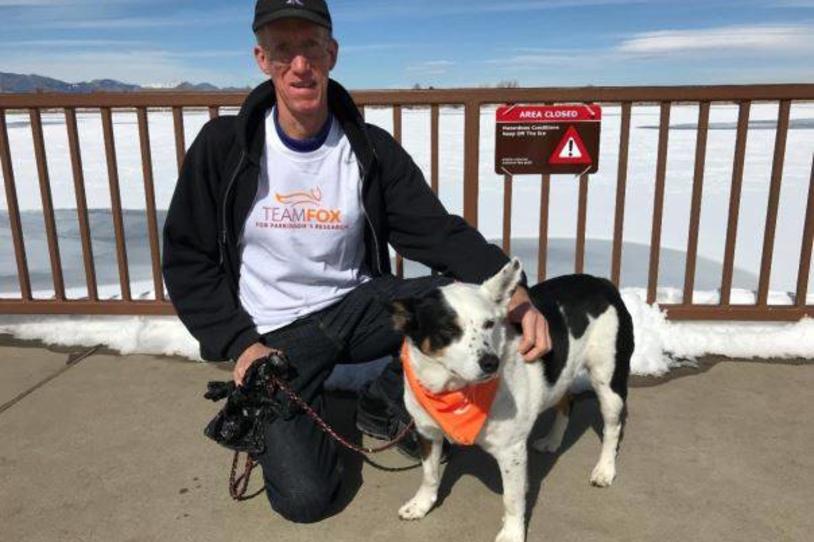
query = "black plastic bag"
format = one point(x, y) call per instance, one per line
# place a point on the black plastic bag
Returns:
point(239, 424)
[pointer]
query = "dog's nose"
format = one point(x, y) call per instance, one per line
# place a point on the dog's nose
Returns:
point(489, 363)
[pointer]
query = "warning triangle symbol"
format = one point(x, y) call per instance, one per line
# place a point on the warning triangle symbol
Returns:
point(570, 150)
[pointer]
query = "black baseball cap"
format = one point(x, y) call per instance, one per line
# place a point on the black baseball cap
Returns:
point(267, 11)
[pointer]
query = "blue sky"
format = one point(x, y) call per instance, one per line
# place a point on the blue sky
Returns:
point(395, 44)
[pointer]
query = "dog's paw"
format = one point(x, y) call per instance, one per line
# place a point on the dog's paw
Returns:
point(603, 474)
point(511, 533)
point(547, 444)
point(415, 508)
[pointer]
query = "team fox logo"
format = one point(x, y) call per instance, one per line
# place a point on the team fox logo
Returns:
point(303, 207)
point(314, 197)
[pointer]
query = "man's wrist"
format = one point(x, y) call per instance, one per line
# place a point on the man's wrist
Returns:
point(519, 297)
point(242, 342)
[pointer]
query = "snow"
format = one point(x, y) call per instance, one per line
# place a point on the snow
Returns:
point(161, 335)
point(660, 344)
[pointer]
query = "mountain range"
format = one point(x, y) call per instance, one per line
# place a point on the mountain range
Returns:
point(20, 83)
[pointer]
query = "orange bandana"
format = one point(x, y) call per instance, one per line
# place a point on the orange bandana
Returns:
point(460, 413)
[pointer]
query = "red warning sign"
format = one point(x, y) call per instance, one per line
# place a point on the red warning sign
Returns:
point(547, 139)
point(570, 150)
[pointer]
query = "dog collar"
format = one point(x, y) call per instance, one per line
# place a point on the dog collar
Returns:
point(460, 413)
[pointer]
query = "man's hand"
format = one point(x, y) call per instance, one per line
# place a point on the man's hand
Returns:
point(536, 340)
point(249, 356)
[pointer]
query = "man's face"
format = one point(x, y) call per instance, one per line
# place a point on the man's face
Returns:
point(298, 56)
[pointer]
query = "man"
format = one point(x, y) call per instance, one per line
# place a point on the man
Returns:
point(277, 236)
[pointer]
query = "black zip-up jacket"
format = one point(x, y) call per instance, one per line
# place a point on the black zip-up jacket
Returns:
point(217, 186)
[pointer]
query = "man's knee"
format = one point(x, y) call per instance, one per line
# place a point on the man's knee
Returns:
point(306, 501)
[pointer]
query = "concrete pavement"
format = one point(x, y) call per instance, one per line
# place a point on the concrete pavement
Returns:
point(112, 450)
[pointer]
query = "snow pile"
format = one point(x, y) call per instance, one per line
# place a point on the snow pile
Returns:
point(160, 335)
point(660, 344)
point(649, 325)
point(742, 340)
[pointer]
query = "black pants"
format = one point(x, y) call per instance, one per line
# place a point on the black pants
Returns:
point(300, 463)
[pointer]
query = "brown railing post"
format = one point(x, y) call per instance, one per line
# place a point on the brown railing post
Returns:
point(397, 123)
point(621, 188)
point(774, 202)
point(14, 211)
point(542, 238)
point(735, 201)
point(695, 208)
point(582, 219)
point(805, 249)
point(180, 144)
point(47, 203)
point(397, 136)
point(434, 148)
point(507, 214)
point(471, 161)
point(149, 197)
point(658, 202)
point(116, 202)
point(81, 202)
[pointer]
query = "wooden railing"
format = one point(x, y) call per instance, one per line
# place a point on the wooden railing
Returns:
point(472, 100)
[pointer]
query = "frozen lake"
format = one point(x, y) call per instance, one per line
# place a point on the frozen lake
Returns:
point(525, 217)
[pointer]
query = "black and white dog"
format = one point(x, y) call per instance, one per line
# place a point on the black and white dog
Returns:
point(459, 335)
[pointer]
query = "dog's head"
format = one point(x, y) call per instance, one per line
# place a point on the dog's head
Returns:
point(459, 330)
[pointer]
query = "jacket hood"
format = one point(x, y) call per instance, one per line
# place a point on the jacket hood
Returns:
point(251, 124)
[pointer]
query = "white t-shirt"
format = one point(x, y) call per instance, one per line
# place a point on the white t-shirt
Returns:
point(302, 245)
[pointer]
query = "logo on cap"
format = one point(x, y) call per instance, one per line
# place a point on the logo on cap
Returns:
point(295, 3)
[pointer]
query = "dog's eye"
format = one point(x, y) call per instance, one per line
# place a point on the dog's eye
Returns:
point(488, 324)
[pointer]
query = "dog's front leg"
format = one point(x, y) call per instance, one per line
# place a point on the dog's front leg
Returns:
point(512, 462)
point(427, 494)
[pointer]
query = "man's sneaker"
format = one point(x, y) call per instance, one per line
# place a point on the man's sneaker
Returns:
point(375, 419)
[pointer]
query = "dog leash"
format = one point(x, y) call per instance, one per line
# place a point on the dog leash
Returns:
point(239, 484)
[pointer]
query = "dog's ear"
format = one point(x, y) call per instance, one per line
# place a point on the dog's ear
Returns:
point(500, 287)
point(428, 321)
point(403, 313)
